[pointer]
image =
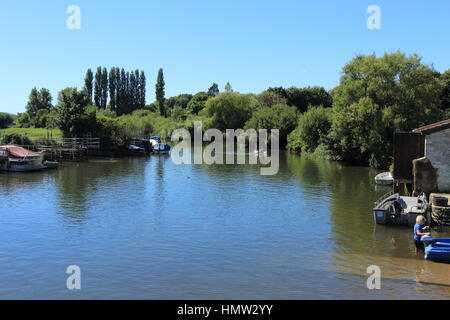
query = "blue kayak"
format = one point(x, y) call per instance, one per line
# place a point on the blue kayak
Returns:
point(438, 250)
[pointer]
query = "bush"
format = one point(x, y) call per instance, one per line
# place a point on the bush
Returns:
point(231, 110)
point(281, 117)
point(5, 120)
point(312, 129)
point(15, 138)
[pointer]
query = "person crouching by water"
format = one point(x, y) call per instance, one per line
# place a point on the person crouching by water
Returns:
point(419, 232)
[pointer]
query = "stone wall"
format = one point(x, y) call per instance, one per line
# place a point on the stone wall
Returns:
point(437, 150)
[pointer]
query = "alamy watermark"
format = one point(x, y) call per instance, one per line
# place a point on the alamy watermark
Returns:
point(73, 282)
point(73, 22)
point(374, 20)
point(213, 153)
point(374, 280)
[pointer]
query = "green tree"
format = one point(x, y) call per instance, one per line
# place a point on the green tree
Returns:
point(377, 97)
point(231, 110)
point(312, 129)
point(281, 117)
point(228, 87)
point(270, 98)
point(71, 107)
point(160, 93)
point(213, 91)
point(112, 89)
point(5, 120)
point(104, 88)
point(98, 88)
point(88, 85)
point(197, 103)
point(142, 88)
point(38, 100)
point(445, 96)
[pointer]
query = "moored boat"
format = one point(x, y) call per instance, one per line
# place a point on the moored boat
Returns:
point(395, 209)
point(154, 140)
point(18, 159)
point(161, 148)
point(437, 250)
point(384, 178)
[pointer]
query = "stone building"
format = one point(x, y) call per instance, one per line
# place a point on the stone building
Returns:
point(431, 173)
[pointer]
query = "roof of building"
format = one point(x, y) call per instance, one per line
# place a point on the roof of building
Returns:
point(434, 127)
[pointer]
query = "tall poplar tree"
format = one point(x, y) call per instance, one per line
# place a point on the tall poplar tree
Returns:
point(112, 89)
point(142, 85)
point(88, 85)
point(104, 88)
point(98, 88)
point(160, 94)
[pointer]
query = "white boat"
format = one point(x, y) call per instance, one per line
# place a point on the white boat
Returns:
point(18, 159)
point(154, 140)
point(384, 178)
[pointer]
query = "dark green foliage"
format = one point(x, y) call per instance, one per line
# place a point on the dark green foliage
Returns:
point(112, 89)
point(181, 101)
point(270, 98)
point(197, 103)
point(23, 120)
point(281, 117)
point(160, 93)
point(377, 97)
point(312, 130)
point(445, 96)
point(231, 110)
point(142, 88)
point(302, 98)
point(98, 88)
point(213, 91)
point(15, 138)
point(38, 100)
point(104, 82)
point(72, 119)
point(5, 120)
point(88, 84)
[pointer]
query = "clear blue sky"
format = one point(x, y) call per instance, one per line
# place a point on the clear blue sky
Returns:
point(254, 44)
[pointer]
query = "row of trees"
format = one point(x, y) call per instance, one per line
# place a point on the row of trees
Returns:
point(126, 90)
point(354, 122)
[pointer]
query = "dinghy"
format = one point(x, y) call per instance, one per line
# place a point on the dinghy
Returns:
point(437, 250)
point(384, 178)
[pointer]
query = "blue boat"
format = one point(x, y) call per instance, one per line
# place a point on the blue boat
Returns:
point(161, 148)
point(437, 250)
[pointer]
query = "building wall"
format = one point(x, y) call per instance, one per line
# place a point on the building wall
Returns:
point(437, 150)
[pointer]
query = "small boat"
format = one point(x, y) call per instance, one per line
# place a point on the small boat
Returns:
point(384, 178)
point(51, 164)
point(395, 209)
point(161, 148)
point(154, 140)
point(437, 250)
point(18, 159)
point(133, 149)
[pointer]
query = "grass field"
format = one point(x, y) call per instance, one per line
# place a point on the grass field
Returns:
point(33, 133)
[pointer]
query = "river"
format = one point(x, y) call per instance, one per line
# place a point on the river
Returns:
point(145, 228)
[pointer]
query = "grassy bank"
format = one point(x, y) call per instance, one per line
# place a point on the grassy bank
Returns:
point(33, 133)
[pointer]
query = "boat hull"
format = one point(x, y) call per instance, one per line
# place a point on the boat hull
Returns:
point(438, 251)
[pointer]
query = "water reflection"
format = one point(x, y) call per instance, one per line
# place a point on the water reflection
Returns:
point(161, 230)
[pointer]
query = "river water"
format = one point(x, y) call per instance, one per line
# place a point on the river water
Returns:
point(145, 228)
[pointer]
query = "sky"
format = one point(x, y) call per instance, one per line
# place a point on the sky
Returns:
point(253, 44)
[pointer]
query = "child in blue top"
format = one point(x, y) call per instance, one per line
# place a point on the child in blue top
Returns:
point(419, 232)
